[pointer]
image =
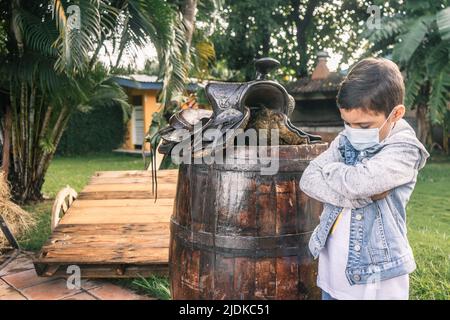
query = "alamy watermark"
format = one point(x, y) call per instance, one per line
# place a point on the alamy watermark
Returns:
point(72, 14)
point(74, 19)
point(207, 147)
point(74, 279)
point(374, 20)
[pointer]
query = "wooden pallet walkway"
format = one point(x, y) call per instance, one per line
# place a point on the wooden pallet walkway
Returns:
point(114, 228)
point(19, 281)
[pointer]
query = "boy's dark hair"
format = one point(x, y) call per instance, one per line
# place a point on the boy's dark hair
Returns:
point(374, 84)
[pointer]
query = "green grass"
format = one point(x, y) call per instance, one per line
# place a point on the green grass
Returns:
point(73, 171)
point(76, 171)
point(428, 220)
point(155, 286)
point(429, 231)
point(35, 238)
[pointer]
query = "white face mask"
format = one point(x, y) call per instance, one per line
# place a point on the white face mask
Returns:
point(365, 138)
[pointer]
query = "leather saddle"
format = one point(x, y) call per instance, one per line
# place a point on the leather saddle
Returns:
point(233, 105)
point(203, 132)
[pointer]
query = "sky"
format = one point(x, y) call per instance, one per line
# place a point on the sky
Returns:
point(149, 52)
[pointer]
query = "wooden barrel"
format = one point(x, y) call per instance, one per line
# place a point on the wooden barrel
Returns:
point(239, 234)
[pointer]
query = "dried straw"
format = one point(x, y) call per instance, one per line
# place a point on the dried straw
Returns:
point(18, 220)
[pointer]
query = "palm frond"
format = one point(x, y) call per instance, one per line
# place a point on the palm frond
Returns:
point(439, 96)
point(391, 28)
point(37, 70)
point(77, 32)
point(39, 35)
point(437, 58)
point(203, 54)
point(99, 88)
point(205, 51)
point(413, 83)
point(176, 62)
point(141, 22)
point(443, 23)
point(411, 40)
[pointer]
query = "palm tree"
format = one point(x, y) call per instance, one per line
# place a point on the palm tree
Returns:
point(51, 68)
point(419, 41)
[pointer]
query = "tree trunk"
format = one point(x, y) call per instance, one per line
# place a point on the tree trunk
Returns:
point(122, 45)
point(423, 124)
point(36, 129)
point(302, 23)
point(266, 42)
point(188, 11)
point(6, 141)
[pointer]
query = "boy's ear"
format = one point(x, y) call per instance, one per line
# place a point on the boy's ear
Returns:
point(399, 112)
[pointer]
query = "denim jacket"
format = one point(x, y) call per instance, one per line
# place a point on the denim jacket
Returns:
point(344, 177)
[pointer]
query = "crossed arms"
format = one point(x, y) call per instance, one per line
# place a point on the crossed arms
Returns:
point(329, 180)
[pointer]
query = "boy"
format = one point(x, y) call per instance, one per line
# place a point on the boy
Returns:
point(365, 179)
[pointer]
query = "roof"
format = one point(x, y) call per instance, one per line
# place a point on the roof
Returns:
point(146, 82)
point(307, 85)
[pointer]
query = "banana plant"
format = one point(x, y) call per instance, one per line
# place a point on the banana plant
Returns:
point(51, 67)
point(419, 41)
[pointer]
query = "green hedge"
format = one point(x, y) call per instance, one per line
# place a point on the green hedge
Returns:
point(98, 130)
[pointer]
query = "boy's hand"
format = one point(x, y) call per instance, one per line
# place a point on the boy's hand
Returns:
point(380, 195)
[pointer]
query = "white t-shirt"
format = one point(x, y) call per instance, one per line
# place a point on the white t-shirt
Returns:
point(333, 261)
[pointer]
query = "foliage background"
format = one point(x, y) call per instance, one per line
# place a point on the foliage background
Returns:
point(101, 129)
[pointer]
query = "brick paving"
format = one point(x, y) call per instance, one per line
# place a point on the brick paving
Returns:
point(19, 281)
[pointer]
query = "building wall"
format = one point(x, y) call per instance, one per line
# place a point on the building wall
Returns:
point(318, 116)
point(322, 117)
point(328, 133)
point(410, 117)
point(317, 112)
point(128, 144)
point(150, 106)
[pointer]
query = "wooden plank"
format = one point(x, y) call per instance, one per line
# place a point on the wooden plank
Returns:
point(135, 203)
point(99, 255)
point(124, 243)
point(114, 228)
point(127, 187)
point(103, 195)
point(133, 180)
point(115, 217)
point(135, 173)
point(140, 180)
point(103, 180)
point(111, 229)
point(110, 243)
point(105, 271)
point(155, 210)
